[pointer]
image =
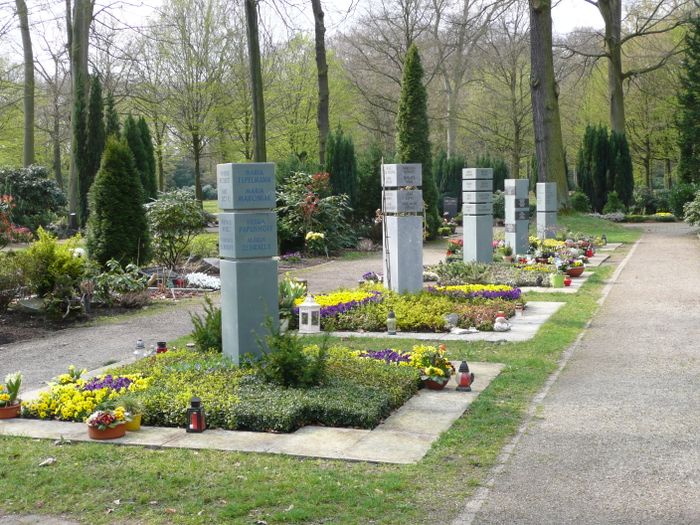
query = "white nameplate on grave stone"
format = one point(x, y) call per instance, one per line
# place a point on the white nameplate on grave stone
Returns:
point(477, 209)
point(477, 185)
point(403, 201)
point(396, 175)
point(247, 235)
point(247, 186)
point(477, 173)
point(471, 197)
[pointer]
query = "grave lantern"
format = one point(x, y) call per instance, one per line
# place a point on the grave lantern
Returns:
point(162, 347)
point(465, 378)
point(391, 323)
point(309, 316)
point(195, 416)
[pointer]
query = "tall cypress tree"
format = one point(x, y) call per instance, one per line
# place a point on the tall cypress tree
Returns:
point(599, 168)
point(94, 146)
point(413, 132)
point(584, 168)
point(689, 101)
point(132, 136)
point(117, 227)
point(112, 126)
point(341, 163)
point(151, 187)
point(622, 166)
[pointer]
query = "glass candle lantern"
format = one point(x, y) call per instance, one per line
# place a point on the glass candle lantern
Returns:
point(465, 378)
point(162, 347)
point(391, 323)
point(309, 316)
point(196, 421)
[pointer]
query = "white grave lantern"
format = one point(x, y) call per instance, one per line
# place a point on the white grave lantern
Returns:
point(309, 316)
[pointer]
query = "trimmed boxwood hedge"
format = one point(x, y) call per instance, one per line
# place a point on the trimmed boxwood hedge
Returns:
point(357, 393)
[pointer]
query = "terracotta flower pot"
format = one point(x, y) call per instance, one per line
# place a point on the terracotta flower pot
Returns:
point(434, 385)
point(11, 411)
point(576, 271)
point(108, 433)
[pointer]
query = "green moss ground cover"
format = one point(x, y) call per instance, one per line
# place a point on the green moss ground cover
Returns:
point(193, 487)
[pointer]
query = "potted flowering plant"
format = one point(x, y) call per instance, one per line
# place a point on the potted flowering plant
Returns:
point(108, 423)
point(9, 392)
point(435, 369)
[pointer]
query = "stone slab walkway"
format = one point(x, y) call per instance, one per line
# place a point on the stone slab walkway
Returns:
point(522, 328)
point(404, 437)
point(616, 440)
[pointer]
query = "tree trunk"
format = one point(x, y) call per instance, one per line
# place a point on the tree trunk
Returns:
point(669, 173)
point(611, 11)
point(256, 87)
point(197, 153)
point(79, 35)
point(28, 147)
point(549, 145)
point(159, 154)
point(647, 172)
point(322, 119)
point(56, 139)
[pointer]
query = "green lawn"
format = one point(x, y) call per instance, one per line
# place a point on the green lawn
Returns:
point(211, 206)
point(185, 486)
point(594, 226)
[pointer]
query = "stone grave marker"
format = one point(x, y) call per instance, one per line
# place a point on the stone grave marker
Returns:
point(517, 214)
point(247, 243)
point(477, 214)
point(546, 209)
point(402, 204)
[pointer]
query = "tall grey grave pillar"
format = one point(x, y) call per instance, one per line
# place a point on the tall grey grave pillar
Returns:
point(247, 243)
point(517, 214)
point(402, 202)
point(546, 210)
point(477, 214)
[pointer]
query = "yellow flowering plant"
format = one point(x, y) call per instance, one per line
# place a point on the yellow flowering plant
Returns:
point(432, 363)
point(10, 390)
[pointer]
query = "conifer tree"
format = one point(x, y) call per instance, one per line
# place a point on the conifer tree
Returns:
point(341, 164)
point(689, 101)
point(412, 133)
point(151, 187)
point(112, 126)
point(117, 226)
point(369, 186)
point(622, 165)
point(94, 146)
point(132, 136)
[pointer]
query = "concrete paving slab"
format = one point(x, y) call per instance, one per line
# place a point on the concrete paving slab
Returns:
point(147, 437)
point(522, 328)
point(319, 442)
point(597, 260)
point(390, 446)
point(42, 429)
point(610, 247)
point(34, 519)
point(576, 283)
point(218, 439)
point(425, 422)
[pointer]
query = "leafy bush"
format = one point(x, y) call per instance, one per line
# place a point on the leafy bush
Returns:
point(580, 202)
point(11, 279)
point(679, 196)
point(126, 287)
point(46, 261)
point(286, 362)
point(117, 227)
point(691, 211)
point(174, 220)
point(209, 192)
point(37, 198)
point(304, 204)
point(207, 329)
point(613, 204)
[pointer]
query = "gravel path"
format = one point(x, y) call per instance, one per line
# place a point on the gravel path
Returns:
point(92, 346)
point(617, 438)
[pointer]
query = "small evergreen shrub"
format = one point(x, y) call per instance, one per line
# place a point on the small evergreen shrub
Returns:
point(613, 204)
point(117, 227)
point(679, 196)
point(207, 330)
point(691, 211)
point(580, 202)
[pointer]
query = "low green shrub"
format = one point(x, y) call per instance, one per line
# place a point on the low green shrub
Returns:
point(126, 287)
point(650, 218)
point(11, 279)
point(478, 273)
point(691, 211)
point(580, 202)
point(679, 196)
point(205, 245)
point(613, 204)
point(207, 329)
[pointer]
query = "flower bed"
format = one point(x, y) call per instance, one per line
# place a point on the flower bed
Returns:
point(472, 291)
point(342, 301)
point(459, 273)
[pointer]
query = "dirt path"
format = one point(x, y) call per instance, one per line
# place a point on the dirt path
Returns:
point(616, 438)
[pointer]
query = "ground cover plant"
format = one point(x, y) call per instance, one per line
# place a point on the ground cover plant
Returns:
point(367, 308)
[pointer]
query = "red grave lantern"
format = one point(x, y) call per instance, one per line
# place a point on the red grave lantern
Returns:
point(196, 421)
point(465, 378)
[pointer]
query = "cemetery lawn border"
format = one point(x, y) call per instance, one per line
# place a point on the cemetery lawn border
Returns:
point(183, 486)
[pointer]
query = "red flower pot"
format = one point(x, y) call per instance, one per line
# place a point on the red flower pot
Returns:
point(9, 412)
point(434, 385)
point(567, 281)
point(107, 433)
point(576, 271)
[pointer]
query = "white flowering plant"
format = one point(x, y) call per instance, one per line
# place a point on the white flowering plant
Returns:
point(202, 280)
